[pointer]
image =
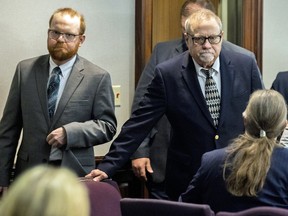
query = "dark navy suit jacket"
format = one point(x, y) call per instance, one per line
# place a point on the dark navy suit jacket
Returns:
point(209, 187)
point(280, 84)
point(175, 91)
point(155, 146)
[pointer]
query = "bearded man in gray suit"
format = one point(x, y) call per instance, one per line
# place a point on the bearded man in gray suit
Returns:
point(83, 113)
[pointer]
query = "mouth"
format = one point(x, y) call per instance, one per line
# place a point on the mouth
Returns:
point(59, 48)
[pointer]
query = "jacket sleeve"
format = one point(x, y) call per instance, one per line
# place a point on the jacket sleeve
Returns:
point(145, 79)
point(10, 129)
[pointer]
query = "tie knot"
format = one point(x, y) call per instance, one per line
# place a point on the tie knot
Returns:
point(206, 72)
point(56, 70)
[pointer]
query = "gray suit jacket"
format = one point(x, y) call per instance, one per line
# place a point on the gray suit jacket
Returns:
point(85, 111)
point(155, 146)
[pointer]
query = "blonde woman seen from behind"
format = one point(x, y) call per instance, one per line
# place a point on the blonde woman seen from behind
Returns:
point(252, 170)
point(250, 154)
point(46, 191)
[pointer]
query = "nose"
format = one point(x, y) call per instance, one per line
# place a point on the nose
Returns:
point(61, 37)
point(207, 43)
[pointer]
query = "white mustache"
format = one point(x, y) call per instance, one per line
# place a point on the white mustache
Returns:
point(205, 52)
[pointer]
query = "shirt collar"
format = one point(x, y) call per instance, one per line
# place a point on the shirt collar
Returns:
point(64, 67)
point(215, 67)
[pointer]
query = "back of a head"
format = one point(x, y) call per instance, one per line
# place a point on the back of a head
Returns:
point(249, 155)
point(187, 7)
point(266, 111)
point(191, 6)
point(46, 191)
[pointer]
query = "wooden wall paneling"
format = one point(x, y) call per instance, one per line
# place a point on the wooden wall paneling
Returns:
point(253, 28)
point(160, 25)
point(155, 21)
point(166, 20)
point(143, 35)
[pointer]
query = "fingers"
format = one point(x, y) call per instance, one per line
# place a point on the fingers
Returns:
point(142, 173)
point(140, 166)
point(57, 138)
point(54, 143)
point(97, 175)
point(149, 168)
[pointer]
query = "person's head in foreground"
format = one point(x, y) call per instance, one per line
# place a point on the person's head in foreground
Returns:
point(46, 191)
point(249, 156)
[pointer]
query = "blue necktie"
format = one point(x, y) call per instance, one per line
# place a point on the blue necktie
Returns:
point(212, 97)
point(52, 90)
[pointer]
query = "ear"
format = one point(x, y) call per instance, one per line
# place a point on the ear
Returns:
point(222, 35)
point(186, 37)
point(244, 118)
point(82, 39)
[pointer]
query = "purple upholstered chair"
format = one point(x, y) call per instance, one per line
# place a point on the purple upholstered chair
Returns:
point(257, 211)
point(153, 207)
point(104, 198)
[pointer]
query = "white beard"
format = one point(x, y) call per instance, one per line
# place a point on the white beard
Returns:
point(206, 57)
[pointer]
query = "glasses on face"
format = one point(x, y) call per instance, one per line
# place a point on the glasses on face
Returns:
point(53, 34)
point(213, 39)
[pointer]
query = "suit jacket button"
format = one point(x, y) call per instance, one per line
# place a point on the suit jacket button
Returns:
point(216, 137)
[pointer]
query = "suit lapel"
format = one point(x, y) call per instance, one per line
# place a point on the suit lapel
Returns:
point(41, 77)
point(227, 78)
point(73, 82)
point(190, 78)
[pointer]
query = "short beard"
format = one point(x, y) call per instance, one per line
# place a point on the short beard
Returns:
point(61, 54)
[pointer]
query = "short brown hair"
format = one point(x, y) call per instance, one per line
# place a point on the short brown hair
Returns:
point(72, 13)
point(207, 4)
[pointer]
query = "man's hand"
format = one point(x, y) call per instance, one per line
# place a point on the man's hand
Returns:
point(97, 175)
point(140, 165)
point(3, 190)
point(57, 138)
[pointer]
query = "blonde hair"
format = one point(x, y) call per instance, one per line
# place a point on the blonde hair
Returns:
point(249, 155)
point(46, 191)
point(199, 16)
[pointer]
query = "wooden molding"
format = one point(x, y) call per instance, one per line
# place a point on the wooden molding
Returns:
point(253, 28)
point(143, 35)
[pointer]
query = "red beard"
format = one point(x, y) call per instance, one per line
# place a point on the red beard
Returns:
point(60, 52)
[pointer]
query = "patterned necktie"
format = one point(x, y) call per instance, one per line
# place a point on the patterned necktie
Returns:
point(212, 97)
point(52, 90)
